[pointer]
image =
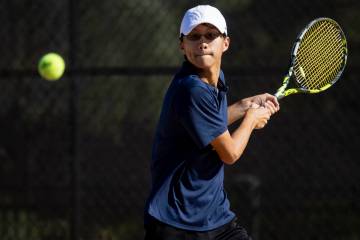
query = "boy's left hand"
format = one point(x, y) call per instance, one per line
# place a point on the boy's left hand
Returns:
point(266, 100)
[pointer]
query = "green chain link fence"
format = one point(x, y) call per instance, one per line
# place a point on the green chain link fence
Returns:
point(74, 154)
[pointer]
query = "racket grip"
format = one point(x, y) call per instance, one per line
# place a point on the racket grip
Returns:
point(279, 95)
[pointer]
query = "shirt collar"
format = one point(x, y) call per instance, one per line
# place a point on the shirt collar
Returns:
point(189, 69)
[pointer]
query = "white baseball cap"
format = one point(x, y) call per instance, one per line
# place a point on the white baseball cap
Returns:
point(202, 14)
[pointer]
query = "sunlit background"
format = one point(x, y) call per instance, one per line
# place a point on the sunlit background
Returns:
point(74, 153)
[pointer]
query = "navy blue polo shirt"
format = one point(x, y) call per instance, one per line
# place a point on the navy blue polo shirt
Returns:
point(187, 174)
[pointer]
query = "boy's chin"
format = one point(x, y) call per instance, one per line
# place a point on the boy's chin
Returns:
point(203, 64)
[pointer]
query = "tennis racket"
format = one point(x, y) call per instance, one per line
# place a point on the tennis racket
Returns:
point(318, 58)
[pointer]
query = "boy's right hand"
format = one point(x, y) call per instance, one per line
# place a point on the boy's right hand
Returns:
point(259, 115)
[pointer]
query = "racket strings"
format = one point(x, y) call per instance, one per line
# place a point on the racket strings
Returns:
point(326, 57)
point(320, 55)
point(319, 63)
point(321, 39)
point(325, 67)
point(322, 45)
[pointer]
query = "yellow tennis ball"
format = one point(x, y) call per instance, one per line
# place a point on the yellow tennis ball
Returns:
point(51, 66)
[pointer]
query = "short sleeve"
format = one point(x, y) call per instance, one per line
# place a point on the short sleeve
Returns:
point(201, 115)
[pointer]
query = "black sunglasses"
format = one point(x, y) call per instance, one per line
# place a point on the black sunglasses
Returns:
point(208, 36)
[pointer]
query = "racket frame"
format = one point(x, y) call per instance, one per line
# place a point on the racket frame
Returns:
point(282, 91)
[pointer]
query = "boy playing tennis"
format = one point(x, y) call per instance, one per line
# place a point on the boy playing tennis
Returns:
point(192, 141)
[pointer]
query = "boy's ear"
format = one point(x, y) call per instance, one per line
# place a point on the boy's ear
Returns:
point(226, 43)
point(181, 46)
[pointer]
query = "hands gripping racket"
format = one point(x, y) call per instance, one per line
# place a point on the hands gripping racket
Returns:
point(318, 58)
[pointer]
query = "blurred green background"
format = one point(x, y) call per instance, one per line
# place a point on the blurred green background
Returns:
point(74, 154)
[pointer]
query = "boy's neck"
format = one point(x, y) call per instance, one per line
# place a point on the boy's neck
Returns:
point(210, 76)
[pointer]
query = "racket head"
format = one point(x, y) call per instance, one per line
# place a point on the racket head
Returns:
point(319, 55)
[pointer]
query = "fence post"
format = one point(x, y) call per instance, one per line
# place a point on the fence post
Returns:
point(73, 124)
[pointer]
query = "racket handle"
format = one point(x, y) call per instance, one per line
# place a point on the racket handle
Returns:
point(279, 95)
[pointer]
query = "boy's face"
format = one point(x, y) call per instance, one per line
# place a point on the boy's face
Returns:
point(204, 46)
